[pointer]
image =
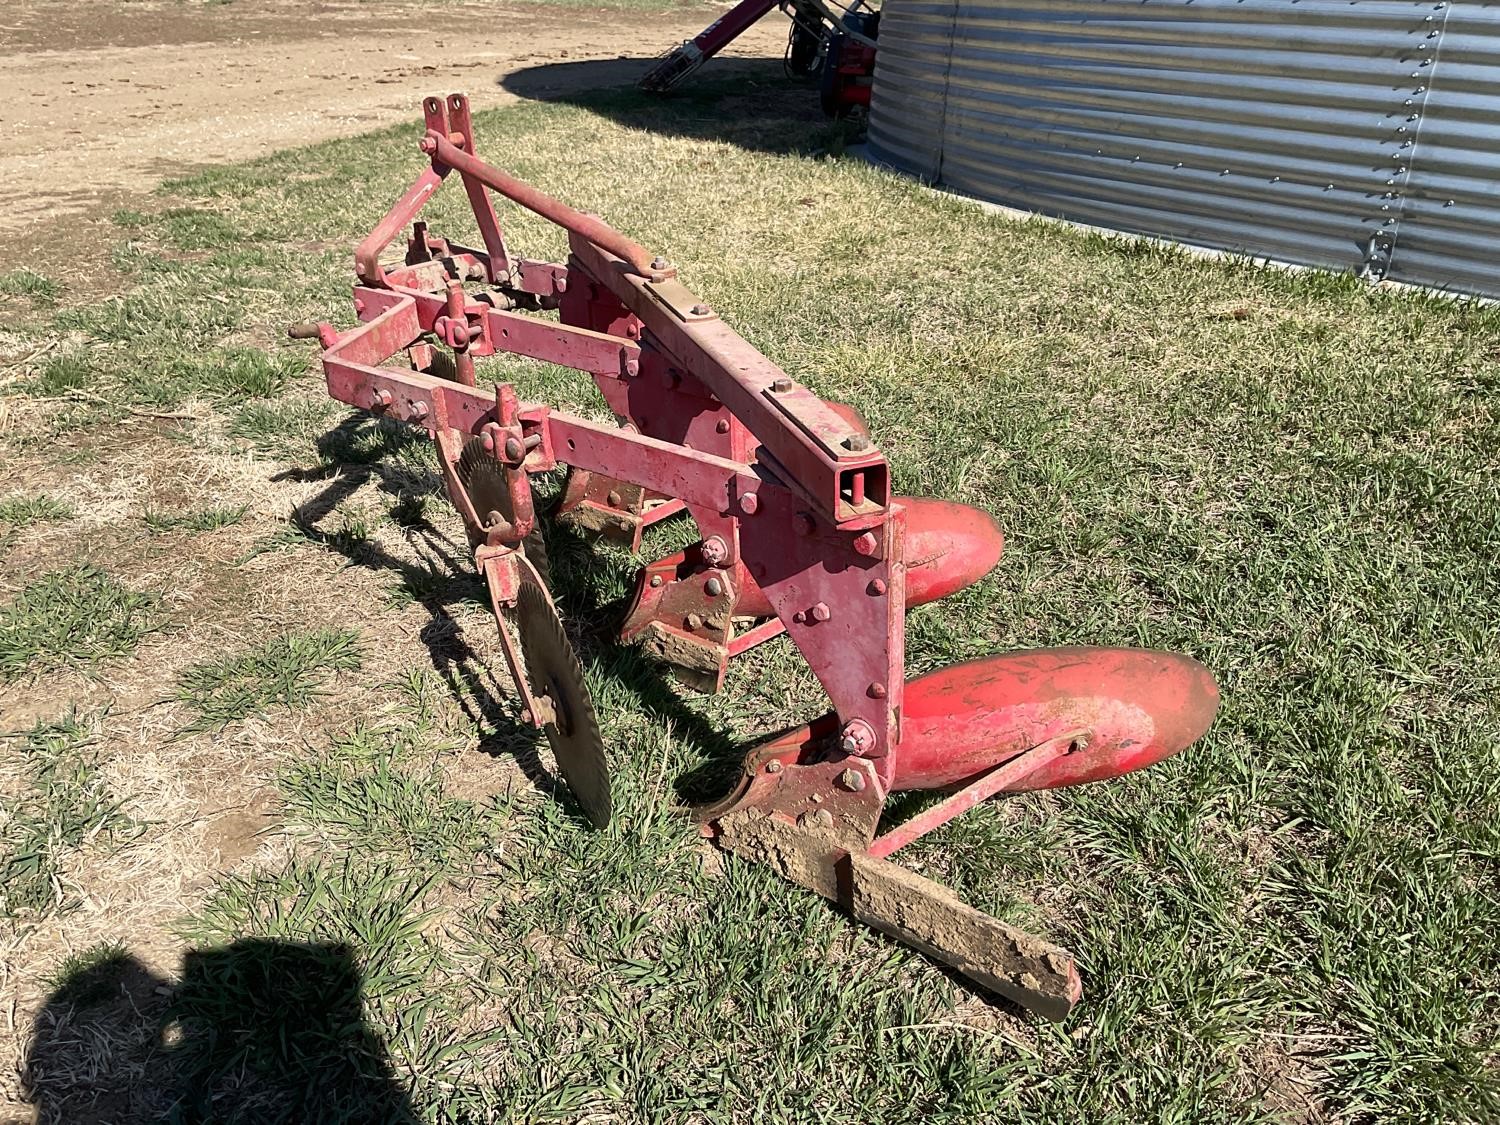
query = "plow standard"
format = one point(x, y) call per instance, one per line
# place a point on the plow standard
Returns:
point(799, 533)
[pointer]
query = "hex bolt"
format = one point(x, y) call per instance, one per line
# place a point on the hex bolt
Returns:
point(823, 818)
point(380, 398)
point(721, 426)
point(632, 368)
point(418, 411)
point(856, 443)
point(866, 544)
point(852, 780)
point(514, 450)
point(701, 310)
point(715, 550)
point(488, 441)
point(781, 384)
point(694, 622)
point(659, 263)
point(713, 587)
point(875, 691)
point(821, 612)
point(614, 499)
point(773, 766)
point(876, 587)
point(749, 503)
point(656, 581)
point(857, 738)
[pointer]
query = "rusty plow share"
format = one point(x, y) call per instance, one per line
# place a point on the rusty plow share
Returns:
point(799, 533)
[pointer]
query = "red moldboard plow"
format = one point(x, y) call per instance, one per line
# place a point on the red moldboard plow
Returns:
point(800, 533)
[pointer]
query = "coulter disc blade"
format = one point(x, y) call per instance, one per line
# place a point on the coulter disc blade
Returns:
point(483, 479)
point(557, 680)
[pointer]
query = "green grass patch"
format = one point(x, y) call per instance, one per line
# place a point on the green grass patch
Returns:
point(290, 671)
point(191, 228)
point(22, 511)
point(288, 428)
point(197, 519)
point(367, 792)
point(41, 290)
point(61, 375)
point(72, 618)
point(88, 976)
point(282, 1025)
point(64, 807)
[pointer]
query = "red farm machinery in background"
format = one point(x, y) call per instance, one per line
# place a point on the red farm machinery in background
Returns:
point(833, 44)
point(800, 532)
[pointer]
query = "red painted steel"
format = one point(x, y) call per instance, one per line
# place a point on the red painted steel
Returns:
point(1138, 706)
point(816, 447)
point(998, 779)
point(730, 26)
point(948, 547)
point(688, 57)
point(367, 255)
point(445, 153)
point(797, 525)
point(594, 352)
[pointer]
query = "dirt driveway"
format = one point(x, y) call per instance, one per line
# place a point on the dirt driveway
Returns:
point(105, 98)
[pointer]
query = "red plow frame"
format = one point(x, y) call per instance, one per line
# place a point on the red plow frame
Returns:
point(799, 533)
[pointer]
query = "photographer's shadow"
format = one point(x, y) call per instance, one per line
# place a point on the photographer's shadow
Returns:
point(255, 1031)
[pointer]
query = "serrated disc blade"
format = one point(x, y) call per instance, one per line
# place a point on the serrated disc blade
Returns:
point(554, 672)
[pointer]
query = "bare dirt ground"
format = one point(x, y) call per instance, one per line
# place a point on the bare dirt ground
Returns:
point(108, 97)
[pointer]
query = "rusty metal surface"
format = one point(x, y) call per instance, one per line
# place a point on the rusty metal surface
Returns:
point(562, 702)
point(915, 910)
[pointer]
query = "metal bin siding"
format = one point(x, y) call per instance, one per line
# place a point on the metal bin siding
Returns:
point(1311, 131)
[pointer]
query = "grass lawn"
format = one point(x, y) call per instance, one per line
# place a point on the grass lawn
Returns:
point(1291, 476)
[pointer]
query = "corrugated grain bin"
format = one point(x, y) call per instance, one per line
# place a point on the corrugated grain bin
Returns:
point(1355, 134)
